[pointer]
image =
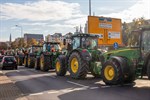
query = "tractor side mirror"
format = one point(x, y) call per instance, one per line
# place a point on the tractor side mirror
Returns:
point(64, 42)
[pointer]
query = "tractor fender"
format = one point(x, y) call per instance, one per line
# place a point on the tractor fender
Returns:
point(86, 56)
point(124, 65)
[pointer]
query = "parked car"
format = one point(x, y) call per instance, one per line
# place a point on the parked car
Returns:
point(1, 57)
point(8, 62)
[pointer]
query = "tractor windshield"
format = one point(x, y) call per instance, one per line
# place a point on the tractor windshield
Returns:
point(89, 42)
point(146, 41)
point(76, 42)
point(36, 49)
point(134, 39)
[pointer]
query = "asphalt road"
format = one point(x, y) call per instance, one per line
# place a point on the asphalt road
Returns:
point(37, 85)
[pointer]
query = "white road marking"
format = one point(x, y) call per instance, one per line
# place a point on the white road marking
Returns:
point(94, 88)
point(105, 86)
point(77, 84)
point(36, 94)
point(52, 92)
point(17, 71)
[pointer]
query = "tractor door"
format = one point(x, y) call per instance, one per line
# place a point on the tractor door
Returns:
point(145, 43)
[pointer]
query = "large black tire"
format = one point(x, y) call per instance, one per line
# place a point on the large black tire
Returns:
point(44, 62)
point(148, 70)
point(20, 60)
point(80, 71)
point(37, 63)
point(111, 72)
point(60, 68)
point(26, 61)
point(31, 62)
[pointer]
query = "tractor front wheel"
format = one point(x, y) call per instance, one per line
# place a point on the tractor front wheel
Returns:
point(60, 66)
point(37, 63)
point(31, 61)
point(44, 62)
point(77, 66)
point(111, 72)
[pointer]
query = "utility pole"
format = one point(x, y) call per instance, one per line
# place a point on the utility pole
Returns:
point(89, 7)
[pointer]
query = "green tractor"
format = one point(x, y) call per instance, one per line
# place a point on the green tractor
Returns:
point(126, 64)
point(82, 56)
point(46, 59)
point(30, 56)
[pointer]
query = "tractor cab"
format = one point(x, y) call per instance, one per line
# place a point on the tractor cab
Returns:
point(84, 41)
point(140, 39)
point(35, 49)
point(51, 46)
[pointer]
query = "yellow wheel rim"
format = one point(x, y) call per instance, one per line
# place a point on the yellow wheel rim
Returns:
point(57, 66)
point(42, 62)
point(74, 65)
point(24, 61)
point(28, 61)
point(109, 72)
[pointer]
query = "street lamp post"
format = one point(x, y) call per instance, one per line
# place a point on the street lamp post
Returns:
point(20, 28)
point(21, 33)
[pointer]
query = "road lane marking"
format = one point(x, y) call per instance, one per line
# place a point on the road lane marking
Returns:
point(52, 92)
point(77, 84)
point(36, 94)
point(92, 88)
point(106, 86)
point(17, 70)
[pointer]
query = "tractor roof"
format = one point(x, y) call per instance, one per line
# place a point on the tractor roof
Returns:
point(85, 35)
point(143, 28)
point(52, 42)
point(36, 46)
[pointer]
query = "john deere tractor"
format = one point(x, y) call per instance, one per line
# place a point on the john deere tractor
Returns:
point(82, 56)
point(46, 59)
point(30, 55)
point(126, 64)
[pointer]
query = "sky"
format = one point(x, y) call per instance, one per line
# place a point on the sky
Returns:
point(62, 16)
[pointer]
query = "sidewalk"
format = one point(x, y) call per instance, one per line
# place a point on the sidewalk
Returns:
point(8, 90)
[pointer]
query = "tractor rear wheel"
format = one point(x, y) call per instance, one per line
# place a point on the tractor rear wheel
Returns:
point(77, 66)
point(60, 66)
point(148, 70)
point(26, 61)
point(111, 72)
point(44, 62)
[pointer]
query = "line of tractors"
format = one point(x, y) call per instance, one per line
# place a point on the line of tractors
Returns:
point(82, 56)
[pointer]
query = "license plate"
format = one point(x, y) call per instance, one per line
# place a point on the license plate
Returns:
point(10, 62)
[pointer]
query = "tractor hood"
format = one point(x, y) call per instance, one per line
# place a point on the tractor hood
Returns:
point(129, 53)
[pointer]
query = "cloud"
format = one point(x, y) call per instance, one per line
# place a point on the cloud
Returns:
point(40, 11)
point(138, 10)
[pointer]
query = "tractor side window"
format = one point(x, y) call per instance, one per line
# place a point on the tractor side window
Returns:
point(145, 41)
point(48, 48)
point(76, 42)
point(44, 47)
point(57, 47)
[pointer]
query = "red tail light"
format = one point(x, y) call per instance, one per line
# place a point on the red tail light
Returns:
point(84, 50)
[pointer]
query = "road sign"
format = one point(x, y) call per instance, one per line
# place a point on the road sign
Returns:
point(115, 45)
